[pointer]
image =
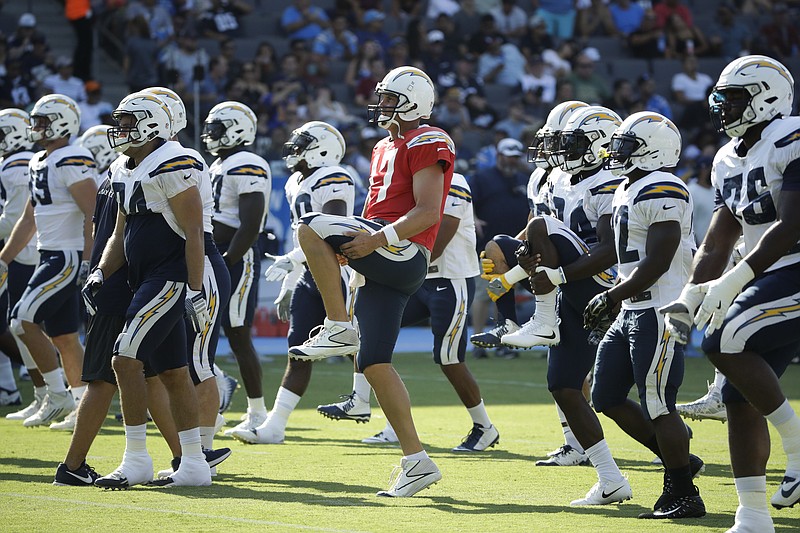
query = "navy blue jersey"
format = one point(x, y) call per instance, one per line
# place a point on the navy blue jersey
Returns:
point(115, 295)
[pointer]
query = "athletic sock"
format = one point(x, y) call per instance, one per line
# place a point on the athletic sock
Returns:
point(752, 492)
point(285, 402)
point(569, 436)
point(602, 460)
point(55, 381)
point(419, 456)
point(77, 393)
point(136, 438)
point(787, 423)
point(719, 379)
point(479, 415)
point(39, 392)
point(546, 308)
point(344, 323)
point(256, 405)
point(207, 437)
point(361, 387)
point(190, 443)
point(7, 380)
point(507, 307)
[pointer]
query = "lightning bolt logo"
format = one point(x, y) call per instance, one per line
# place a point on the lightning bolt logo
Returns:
point(247, 274)
point(454, 332)
point(662, 361)
point(212, 309)
point(569, 109)
point(784, 311)
point(762, 63)
point(67, 274)
point(153, 311)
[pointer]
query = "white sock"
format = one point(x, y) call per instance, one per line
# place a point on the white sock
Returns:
point(515, 274)
point(752, 492)
point(479, 415)
point(719, 379)
point(190, 443)
point(256, 405)
point(55, 380)
point(344, 323)
point(600, 456)
point(207, 437)
point(546, 308)
point(39, 392)
point(7, 380)
point(419, 456)
point(77, 393)
point(285, 402)
point(361, 387)
point(569, 436)
point(136, 438)
point(787, 423)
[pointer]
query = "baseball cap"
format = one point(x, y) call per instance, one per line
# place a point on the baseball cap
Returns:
point(372, 15)
point(63, 61)
point(27, 20)
point(92, 86)
point(435, 36)
point(509, 147)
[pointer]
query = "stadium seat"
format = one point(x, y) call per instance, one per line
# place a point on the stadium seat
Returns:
point(498, 96)
point(609, 47)
point(663, 70)
point(628, 68)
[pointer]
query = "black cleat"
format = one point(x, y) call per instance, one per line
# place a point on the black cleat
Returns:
point(677, 507)
point(83, 476)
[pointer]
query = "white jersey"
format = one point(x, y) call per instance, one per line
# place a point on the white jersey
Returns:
point(458, 260)
point(750, 185)
point(166, 172)
point(14, 198)
point(205, 187)
point(240, 173)
point(538, 192)
point(657, 197)
point(580, 205)
point(59, 220)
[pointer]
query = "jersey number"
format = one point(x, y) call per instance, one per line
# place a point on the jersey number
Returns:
point(302, 205)
point(217, 180)
point(624, 255)
point(40, 190)
point(761, 207)
point(383, 168)
point(133, 205)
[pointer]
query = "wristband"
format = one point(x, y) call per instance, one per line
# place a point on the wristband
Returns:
point(390, 234)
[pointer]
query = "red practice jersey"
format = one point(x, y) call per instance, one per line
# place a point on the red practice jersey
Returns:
point(394, 163)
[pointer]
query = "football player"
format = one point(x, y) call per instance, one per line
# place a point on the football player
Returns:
point(752, 310)
point(317, 185)
point(62, 196)
point(95, 139)
point(652, 220)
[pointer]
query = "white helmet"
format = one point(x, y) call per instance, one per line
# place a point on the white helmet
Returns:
point(14, 124)
point(415, 97)
point(317, 143)
point(152, 120)
point(588, 132)
point(175, 104)
point(54, 116)
point(229, 124)
point(754, 89)
point(647, 141)
point(545, 143)
point(95, 139)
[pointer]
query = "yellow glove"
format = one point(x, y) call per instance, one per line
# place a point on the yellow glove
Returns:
point(487, 267)
point(498, 286)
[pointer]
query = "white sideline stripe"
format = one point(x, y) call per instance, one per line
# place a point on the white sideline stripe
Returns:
point(169, 511)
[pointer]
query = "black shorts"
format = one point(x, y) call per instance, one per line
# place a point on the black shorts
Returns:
point(101, 334)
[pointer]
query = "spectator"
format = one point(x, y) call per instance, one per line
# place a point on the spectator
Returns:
point(622, 98)
point(627, 16)
point(649, 41)
point(690, 89)
point(323, 106)
point(95, 110)
point(365, 90)
point(593, 15)
point(21, 41)
point(140, 60)
point(437, 61)
point(487, 155)
point(451, 112)
point(558, 62)
point(337, 43)
point(220, 21)
point(80, 16)
point(650, 100)
point(467, 19)
point(536, 39)
point(667, 8)
point(537, 85)
point(289, 85)
point(517, 121)
point(407, 10)
point(463, 78)
point(398, 53)
point(303, 21)
point(565, 91)
point(780, 36)
point(249, 88)
point(309, 65)
point(437, 7)
point(360, 66)
point(227, 49)
point(510, 19)
point(64, 82)
point(702, 196)
point(560, 17)
point(265, 61)
point(502, 63)
point(214, 84)
point(16, 88)
point(373, 29)
point(453, 42)
point(181, 60)
point(479, 42)
point(589, 86)
point(683, 40)
point(157, 17)
point(481, 114)
point(35, 62)
point(729, 37)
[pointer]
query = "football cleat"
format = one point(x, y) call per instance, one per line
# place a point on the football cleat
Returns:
point(411, 477)
point(696, 466)
point(384, 437)
point(565, 456)
point(533, 333)
point(68, 424)
point(788, 494)
point(227, 386)
point(708, 407)
point(54, 406)
point(263, 434)
point(10, 397)
point(352, 408)
point(677, 507)
point(605, 492)
point(83, 476)
point(250, 422)
point(213, 458)
point(135, 469)
point(219, 423)
point(192, 472)
point(479, 439)
point(752, 521)
point(28, 411)
point(330, 339)
point(492, 338)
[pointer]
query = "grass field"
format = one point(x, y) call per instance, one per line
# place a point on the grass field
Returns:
point(324, 479)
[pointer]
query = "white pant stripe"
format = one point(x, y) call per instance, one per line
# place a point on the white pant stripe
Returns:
point(237, 308)
point(448, 353)
point(656, 381)
point(130, 340)
point(30, 302)
point(200, 347)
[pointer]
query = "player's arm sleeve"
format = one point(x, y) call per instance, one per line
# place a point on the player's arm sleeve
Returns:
point(337, 185)
point(73, 169)
point(458, 203)
point(250, 178)
point(430, 148)
point(178, 174)
point(662, 202)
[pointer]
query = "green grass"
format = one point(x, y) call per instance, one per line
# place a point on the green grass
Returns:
point(324, 479)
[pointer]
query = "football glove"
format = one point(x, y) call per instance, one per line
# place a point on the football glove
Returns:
point(498, 286)
point(555, 275)
point(720, 294)
point(599, 331)
point(281, 267)
point(679, 315)
point(487, 267)
point(3, 276)
point(599, 309)
point(83, 273)
point(197, 309)
point(90, 290)
point(282, 303)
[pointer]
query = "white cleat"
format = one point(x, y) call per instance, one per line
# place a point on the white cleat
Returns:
point(226, 386)
point(263, 434)
point(135, 469)
point(28, 411)
point(708, 407)
point(788, 494)
point(330, 339)
point(10, 397)
point(605, 492)
point(752, 521)
point(533, 333)
point(479, 439)
point(384, 437)
point(219, 423)
point(68, 424)
point(250, 422)
point(193, 472)
point(351, 408)
point(411, 477)
point(565, 456)
point(54, 406)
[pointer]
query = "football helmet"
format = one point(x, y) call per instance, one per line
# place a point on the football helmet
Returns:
point(588, 132)
point(228, 124)
point(175, 104)
point(95, 139)
point(415, 97)
point(545, 144)
point(317, 143)
point(14, 125)
point(645, 140)
point(152, 119)
point(750, 90)
point(54, 116)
